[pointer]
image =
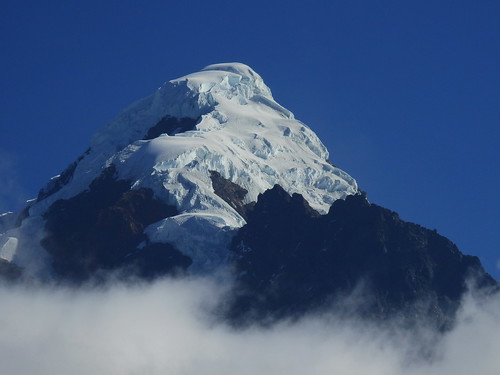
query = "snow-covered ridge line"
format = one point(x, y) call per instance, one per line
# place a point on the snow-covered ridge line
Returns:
point(241, 132)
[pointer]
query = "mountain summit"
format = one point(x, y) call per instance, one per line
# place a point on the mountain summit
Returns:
point(211, 171)
point(205, 145)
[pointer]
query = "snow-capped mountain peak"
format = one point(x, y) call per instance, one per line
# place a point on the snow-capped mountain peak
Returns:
point(211, 171)
point(236, 78)
point(189, 96)
point(216, 127)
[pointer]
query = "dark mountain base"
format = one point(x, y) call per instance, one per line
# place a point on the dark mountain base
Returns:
point(101, 228)
point(290, 261)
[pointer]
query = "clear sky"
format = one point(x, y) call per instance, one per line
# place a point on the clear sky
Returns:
point(405, 94)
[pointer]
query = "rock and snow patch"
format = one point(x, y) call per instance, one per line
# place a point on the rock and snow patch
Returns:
point(241, 132)
point(8, 247)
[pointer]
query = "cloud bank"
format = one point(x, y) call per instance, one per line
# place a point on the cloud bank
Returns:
point(166, 327)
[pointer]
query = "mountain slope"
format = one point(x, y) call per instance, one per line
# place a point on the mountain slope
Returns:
point(289, 260)
point(211, 172)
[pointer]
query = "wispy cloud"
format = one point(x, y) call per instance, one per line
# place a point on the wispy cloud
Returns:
point(166, 328)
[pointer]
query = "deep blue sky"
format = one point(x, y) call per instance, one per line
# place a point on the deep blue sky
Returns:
point(405, 94)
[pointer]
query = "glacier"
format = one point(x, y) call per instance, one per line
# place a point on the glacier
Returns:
point(240, 131)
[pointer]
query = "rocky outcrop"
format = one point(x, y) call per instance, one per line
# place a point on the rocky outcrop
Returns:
point(289, 261)
point(171, 126)
point(101, 229)
point(233, 194)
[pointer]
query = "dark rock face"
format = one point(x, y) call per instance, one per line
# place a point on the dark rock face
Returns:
point(290, 260)
point(100, 229)
point(231, 193)
point(171, 126)
point(25, 213)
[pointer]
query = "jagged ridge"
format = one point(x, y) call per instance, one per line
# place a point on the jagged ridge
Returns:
point(290, 260)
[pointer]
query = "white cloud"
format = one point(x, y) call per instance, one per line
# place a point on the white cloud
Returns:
point(164, 328)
